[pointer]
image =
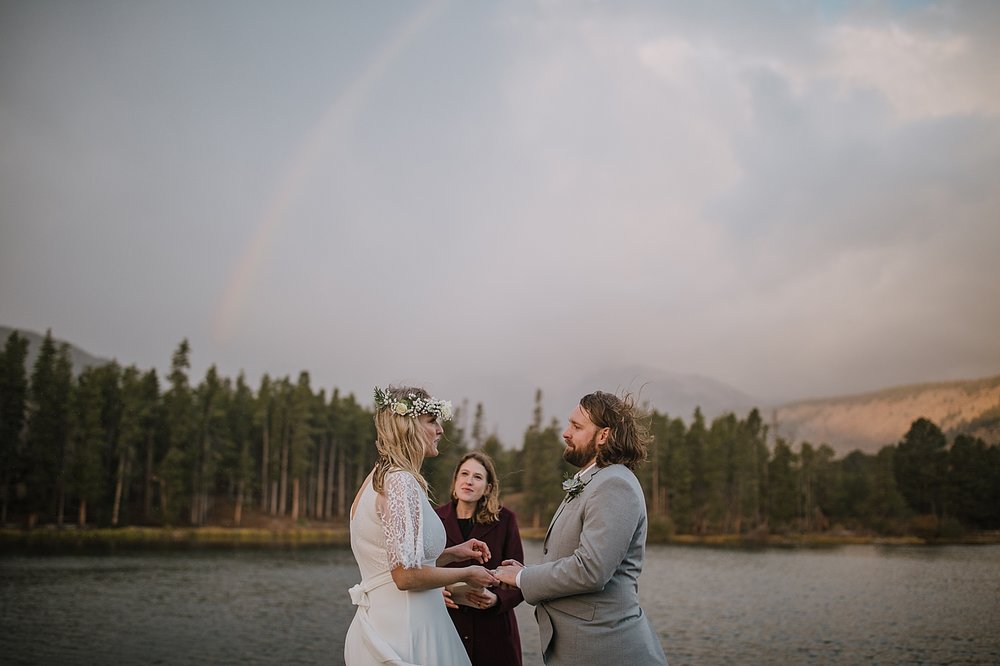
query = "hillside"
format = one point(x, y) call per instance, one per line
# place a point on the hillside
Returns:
point(509, 400)
point(872, 420)
point(79, 358)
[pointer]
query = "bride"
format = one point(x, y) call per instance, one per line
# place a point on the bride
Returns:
point(399, 544)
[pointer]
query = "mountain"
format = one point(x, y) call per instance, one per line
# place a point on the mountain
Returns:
point(509, 400)
point(866, 421)
point(78, 357)
point(671, 393)
point(869, 421)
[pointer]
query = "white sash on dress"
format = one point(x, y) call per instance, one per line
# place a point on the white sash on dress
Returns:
point(379, 649)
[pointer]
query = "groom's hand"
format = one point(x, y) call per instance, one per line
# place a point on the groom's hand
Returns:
point(507, 573)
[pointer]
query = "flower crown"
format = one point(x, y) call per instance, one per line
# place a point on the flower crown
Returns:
point(412, 405)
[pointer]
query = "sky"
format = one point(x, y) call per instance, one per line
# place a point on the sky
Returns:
point(797, 199)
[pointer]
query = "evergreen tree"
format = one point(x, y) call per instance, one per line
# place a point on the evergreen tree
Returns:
point(857, 472)
point(93, 433)
point(973, 478)
point(478, 427)
point(679, 474)
point(155, 438)
point(48, 431)
point(301, 444)
point(210, 442)
point(887, 506)
point(176, 469)
point(131, 437)
point(544, 468)
point(13, 407)
point(264, 407)
point(237, 464)
point(826, 486)
point(921, 465)
point(782, 486)
point(755, 458)
point(696, 443)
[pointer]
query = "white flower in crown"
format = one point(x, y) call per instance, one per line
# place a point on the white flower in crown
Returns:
point(413, 406)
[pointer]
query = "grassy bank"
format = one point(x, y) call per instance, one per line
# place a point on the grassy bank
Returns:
point(805, 540)
point(339, 535)
point(125, 536)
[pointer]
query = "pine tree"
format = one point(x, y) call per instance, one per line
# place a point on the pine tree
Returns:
point(782, 486)
point(48, 431)
point(92, 435)
point(13, 407)
point(238, 465)
point(921, 464)
point(210, 442)
point(176, 467)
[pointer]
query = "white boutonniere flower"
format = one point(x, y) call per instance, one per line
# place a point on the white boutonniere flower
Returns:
point(572, 486)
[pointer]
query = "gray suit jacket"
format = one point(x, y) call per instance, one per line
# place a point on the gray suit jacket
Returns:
point(585, 591)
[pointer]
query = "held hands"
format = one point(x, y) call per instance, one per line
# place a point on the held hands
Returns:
point(506, 573)
point(478, 577)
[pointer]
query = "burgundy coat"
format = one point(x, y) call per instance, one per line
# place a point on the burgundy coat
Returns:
point(490, 635)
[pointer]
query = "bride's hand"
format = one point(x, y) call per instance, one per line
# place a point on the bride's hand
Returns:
point(454, 595)
point(477, 576)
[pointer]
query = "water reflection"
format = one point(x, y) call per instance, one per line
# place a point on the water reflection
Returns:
point(856, 604)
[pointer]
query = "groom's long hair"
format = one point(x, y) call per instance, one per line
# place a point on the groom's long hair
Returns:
point(628, 440)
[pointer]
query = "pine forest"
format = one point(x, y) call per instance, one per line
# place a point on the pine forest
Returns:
point(117, 446)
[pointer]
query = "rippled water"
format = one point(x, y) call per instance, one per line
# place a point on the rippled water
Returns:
point(856, 604)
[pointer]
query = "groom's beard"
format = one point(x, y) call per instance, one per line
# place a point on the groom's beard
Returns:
point(578, 457)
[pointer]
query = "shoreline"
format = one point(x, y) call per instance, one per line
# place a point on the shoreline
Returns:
point(339, 535)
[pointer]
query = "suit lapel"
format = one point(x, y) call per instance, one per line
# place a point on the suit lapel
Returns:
point(586, 480)
point(552, 522)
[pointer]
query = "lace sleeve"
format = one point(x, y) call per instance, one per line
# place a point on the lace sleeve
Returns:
point(402, 521)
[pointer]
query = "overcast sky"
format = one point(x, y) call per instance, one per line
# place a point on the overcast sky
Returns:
point(797, 199)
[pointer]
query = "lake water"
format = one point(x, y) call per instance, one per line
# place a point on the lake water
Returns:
point(846, 605)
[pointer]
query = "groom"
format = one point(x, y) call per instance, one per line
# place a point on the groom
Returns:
point(585, 591)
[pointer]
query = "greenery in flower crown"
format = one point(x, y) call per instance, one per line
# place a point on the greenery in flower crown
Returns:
point(413, 405)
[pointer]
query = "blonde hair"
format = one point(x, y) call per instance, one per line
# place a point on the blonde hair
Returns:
point(488, 507)
point(400, 440)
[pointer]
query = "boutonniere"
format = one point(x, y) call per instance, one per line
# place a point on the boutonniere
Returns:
point(572, 486)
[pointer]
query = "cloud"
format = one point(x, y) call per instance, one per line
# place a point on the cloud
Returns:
point(795, 199)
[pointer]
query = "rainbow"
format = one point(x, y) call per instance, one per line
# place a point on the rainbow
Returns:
point(318, 141)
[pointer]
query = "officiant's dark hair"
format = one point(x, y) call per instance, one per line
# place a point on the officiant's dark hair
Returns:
point(628, 438)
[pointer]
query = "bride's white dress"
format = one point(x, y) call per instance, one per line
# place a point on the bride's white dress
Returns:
point(392, 626)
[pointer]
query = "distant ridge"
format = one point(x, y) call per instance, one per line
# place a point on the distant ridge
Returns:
point(672, 393)
point(78, 357)
point(869, 421)
point(508, 400)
